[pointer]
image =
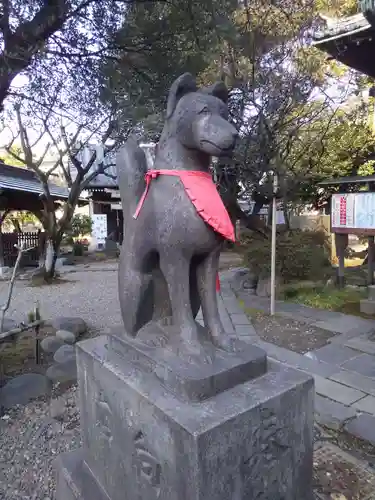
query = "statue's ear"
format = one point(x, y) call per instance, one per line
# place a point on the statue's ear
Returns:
point(183, 85)
point(219, 90)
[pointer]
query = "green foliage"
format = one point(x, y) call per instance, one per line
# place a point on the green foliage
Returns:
point(300, 255)
point(15, 159)
point(17, 221)
point(80, 225)
point(334, 299)
point(259, 49)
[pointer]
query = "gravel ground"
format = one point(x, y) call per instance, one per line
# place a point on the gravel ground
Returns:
point(90, 294)
point(285, 332)
point(29, 442)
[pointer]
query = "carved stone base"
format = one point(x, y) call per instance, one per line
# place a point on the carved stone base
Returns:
point(74, 480)
point(142, 441)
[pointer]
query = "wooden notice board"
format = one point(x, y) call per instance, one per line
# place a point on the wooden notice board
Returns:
point(353, 213)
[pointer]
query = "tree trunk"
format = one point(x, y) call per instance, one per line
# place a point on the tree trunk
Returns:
point(286, 216)
point(52, 248)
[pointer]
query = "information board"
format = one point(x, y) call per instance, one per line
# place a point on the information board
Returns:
point(99, 228)
point(353, 211)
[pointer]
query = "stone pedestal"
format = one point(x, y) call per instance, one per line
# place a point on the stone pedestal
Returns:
point(154, 427)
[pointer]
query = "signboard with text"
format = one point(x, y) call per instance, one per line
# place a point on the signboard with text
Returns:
point(353, 213)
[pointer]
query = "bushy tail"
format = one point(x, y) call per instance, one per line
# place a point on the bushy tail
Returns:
point(131, 166)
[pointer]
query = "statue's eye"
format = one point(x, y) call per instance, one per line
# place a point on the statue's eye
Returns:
point(204, 111)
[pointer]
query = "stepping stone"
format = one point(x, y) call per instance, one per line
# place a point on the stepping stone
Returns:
point(363, 427)
point(65, 353)
point(63, 372)
point(74, 325)
point(23, 388)
point(51, 344)
point(65, 336)
point(332, 414)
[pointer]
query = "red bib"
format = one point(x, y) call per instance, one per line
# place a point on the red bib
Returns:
point(202, 192)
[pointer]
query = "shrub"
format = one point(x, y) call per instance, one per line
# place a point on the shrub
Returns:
point(300, 255)
point(78, 249)
point(80, 225)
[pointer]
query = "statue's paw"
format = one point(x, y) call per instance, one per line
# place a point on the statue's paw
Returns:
point(226, 343)
point(195, 352)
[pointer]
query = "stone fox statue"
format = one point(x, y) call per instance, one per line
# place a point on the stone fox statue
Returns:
point(174, 219)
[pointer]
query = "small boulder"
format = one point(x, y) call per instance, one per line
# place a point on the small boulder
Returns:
point(74, 325)
point(244, 279)
point(23, 388)
point(65, 353)
point(57, 408)
point(63, 372)
point(65, 336)
point(51, 344)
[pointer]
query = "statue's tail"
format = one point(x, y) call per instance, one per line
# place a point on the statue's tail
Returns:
point(131, 169)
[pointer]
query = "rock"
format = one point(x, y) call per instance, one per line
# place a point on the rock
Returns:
point(65, 353)
point(63, 372)
point(57, 408)
point(74, 325)
point(5, 271)
point(21, 389)
point(244, 279)
point(51, 344)
point(65, 336)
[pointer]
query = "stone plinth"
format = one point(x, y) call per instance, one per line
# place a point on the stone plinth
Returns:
point(367, 306)
point(153, 429)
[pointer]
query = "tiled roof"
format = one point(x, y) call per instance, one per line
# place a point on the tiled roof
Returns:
point(108, 179)
point(21, 179)
point(345, 26)
point(355, 179)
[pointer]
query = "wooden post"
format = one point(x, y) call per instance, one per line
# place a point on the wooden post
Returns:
point(370, 262)
point(341, 241)
point(2, 217)
point(2, 264)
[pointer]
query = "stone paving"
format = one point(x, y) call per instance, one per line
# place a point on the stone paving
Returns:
point(344, 370)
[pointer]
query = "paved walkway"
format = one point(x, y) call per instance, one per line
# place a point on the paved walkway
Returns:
point(344, 370)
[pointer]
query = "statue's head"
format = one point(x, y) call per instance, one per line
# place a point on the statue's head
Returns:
point(198, 117)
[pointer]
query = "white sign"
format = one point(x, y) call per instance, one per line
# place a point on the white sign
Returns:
point(99, 228)
point(365, 211)
point(353, 211)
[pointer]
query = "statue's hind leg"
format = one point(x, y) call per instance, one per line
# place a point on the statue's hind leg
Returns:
point(176, 269)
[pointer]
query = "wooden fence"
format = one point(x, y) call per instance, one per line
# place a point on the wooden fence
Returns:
point(29, 259)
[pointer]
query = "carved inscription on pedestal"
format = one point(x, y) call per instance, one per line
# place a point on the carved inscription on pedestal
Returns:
point(147, 466)
point(269, 448)
point(104, 417)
